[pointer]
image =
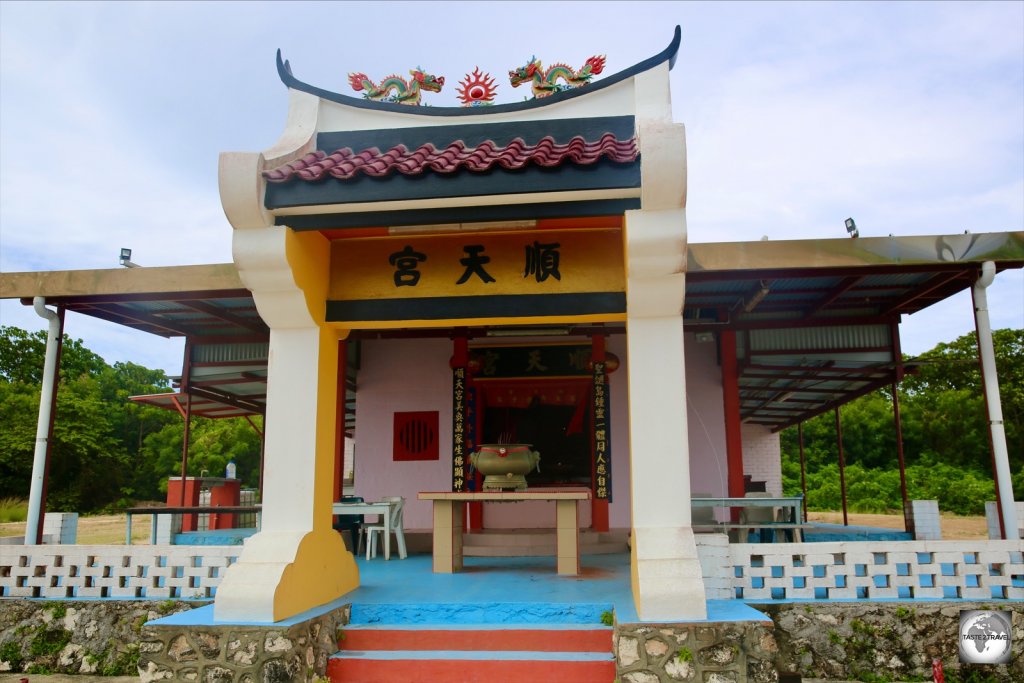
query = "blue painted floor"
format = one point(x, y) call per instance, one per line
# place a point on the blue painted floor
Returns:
point(819, 532)
point(604, 582)
point(491, 590)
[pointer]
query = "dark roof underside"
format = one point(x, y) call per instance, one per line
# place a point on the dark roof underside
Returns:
point(807, 340)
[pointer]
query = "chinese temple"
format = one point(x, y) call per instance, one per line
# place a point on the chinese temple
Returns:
point(486, 268)
point(491, 263)
point(434, 281)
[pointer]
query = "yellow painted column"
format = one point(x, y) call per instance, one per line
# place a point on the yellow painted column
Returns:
point(296, 561)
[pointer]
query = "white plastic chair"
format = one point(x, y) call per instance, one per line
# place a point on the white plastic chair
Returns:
point(397, 508)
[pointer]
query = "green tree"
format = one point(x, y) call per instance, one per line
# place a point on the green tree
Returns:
point(945, 435)
point(23, 355)
point(213, 444)
point(97, 431)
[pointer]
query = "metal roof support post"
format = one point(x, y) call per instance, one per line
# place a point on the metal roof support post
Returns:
point(44, 425)
point(186, 381)
point(897, 356)
point(733, 422)
point(990, 383)
point(842, 464)
point(803, 469)
point(186, 440)
point(908, 520)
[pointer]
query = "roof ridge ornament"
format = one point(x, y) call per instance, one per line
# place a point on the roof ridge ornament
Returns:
point(668, 55)
point(544, 82)
point(405, 92)
point(478, 89)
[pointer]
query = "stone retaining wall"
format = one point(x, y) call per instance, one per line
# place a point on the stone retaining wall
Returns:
point(77, 637)
point(885, 641)
point(729, 652)
point(864, 641)
point(878, 641)
point(242, 654)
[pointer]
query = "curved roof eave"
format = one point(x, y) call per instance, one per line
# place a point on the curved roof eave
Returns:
point(668, 54)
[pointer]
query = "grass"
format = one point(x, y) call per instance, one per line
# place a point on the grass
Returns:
point(13, 510)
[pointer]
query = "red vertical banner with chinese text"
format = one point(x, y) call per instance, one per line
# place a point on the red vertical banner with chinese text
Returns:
point(602, 434)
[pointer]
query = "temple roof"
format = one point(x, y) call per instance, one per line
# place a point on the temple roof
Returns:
point(284, 70)
point(344, 164)
point(456, 161)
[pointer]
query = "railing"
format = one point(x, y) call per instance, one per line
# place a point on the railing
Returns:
point(978, 570)
point(113, 571)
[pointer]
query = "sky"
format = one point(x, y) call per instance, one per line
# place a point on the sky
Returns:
point(908, 117)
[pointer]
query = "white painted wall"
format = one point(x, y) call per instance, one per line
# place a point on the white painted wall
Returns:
point(762, 457)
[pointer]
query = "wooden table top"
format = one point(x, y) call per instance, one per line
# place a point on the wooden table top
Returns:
point(508, 496)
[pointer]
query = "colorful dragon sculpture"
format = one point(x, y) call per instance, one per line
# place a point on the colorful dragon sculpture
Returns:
point(544, 80)
point(405, 92)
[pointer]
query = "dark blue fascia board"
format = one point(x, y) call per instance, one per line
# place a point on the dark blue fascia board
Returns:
point(284, 71)
point(485, 306)
point(562, 130)
point(602, 175)
point(459, 214)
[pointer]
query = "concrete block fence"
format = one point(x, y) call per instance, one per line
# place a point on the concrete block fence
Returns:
point(979, 570)
point(113, 571)
point(973, 570)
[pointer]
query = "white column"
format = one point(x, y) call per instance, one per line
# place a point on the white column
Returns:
point(50, 375)
point(995, 407)
point(666, 572)
point(296, 561)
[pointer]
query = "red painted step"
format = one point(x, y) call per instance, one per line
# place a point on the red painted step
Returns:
point(485, 653)
point(566, 639)
point(483, 667)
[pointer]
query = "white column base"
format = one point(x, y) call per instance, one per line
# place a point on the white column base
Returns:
point(668, 583)
point(282, 573)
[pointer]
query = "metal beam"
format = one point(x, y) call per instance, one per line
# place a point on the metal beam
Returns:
point(256, 325)
point(928, 287)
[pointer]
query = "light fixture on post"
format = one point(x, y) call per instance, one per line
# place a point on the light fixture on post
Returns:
point(851, 228)
point(126, 259)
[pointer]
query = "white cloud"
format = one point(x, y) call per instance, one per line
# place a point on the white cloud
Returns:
point(908, 116)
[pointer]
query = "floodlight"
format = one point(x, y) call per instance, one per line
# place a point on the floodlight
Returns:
point(851, 228)
point(126, 258)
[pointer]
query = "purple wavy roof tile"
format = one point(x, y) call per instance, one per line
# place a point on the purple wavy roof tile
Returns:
point(344, 164)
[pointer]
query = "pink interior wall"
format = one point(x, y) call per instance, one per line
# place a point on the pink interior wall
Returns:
point(413, 375)
point(398, 375)
point(705, 416)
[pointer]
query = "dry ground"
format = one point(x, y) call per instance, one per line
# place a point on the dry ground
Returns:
point(109, 529)
point(98, 530)
point(953, 526)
